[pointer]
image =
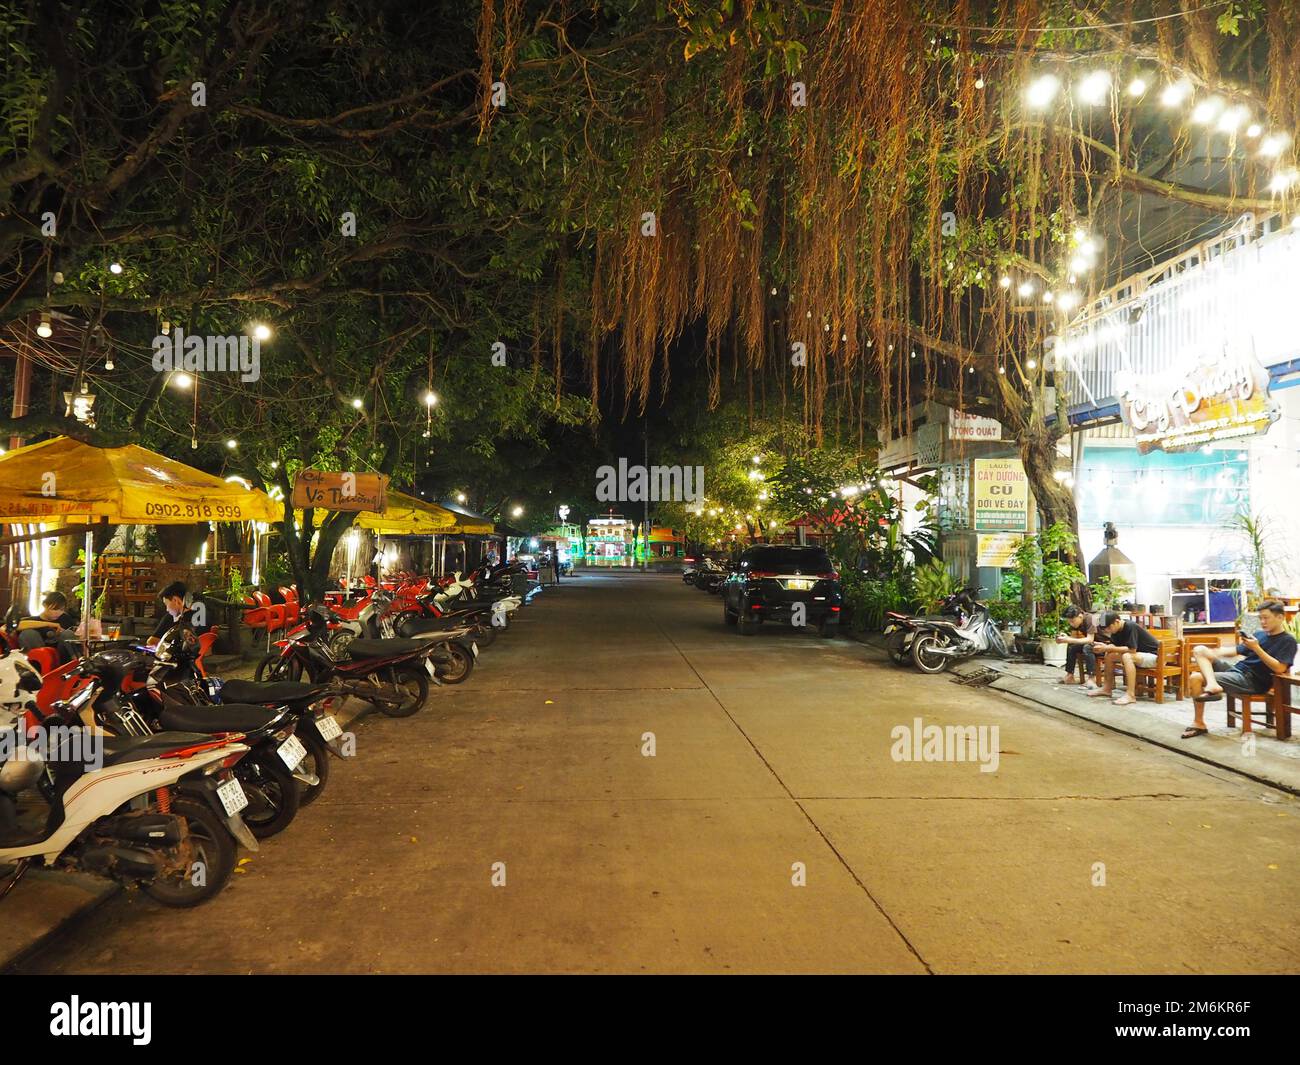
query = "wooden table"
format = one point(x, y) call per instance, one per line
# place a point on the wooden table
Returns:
point(1286, 690)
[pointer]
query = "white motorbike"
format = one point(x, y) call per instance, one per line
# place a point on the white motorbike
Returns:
point(937, 642)
point(160, 811)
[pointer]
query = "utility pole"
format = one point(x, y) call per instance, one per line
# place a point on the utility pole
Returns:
point(645, 520)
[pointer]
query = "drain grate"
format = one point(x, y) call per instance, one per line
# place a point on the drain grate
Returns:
point(981, 678)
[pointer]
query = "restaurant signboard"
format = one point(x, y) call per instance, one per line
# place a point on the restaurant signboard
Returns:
point(326, 490)
point(1218, 399)
point(1001, 496)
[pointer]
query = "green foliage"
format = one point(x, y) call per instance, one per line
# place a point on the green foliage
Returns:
point(235, 589)
point(1012, 586)
point(1108, 594)
point(1258, 538)
point(868, 598)
point(1006, 611)
point(1049, 579)
point(933, 585)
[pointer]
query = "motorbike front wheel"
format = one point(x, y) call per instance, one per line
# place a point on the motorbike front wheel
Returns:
point(212, 858)
point(456, 671)
point(925, 654)
point(272, 791)
point(412, 685)
point(276, 666)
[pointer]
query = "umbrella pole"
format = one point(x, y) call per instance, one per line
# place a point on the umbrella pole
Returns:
point(86, 606)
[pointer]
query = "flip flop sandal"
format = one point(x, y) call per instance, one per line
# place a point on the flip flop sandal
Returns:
point(1192, 733)
point(1207, 697)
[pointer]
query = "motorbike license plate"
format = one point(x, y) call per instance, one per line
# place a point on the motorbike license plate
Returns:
point(474, 647)
point(798, 585)
point(232, 797)
point(292, 752)
point(328, 727)
point(428, 664)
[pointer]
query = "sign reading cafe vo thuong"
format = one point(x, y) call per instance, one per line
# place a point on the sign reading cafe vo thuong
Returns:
point(1001, 495)
point(341, 491)
point(1217, 399)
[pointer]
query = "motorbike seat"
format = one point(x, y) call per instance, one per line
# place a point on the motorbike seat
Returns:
point(279, 691)
point(384, 648)
point(228, 717)
point(414, 626)
point(119, 749)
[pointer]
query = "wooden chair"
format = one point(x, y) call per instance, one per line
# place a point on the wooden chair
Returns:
point(1189, 659)
point(1268, 700)
point(1168, 667)
point(1285, 690)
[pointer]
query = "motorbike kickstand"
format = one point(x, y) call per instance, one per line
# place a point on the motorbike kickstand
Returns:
point(16, 876)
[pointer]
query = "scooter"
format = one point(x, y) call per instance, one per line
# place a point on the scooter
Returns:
point(160, 811)
point(901, 628)
point(937, 643)
point(392, 675)
point(130, 700)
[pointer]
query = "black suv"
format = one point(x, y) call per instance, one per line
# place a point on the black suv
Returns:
point(770, 580)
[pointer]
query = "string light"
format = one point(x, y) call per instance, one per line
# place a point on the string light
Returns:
point(232, 444)
point(1094, 88)
point(357, 403)
point(114, 268)
point(1042, 91)
point(1207, 111)
point(45, 329)
point(1032, 364)
point(1137, 87)
point(1175, 94)
point(1273, 144)
point(1004, 281)
point(1026, 289)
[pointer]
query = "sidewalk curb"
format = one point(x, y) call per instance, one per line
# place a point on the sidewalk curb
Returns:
point(1224, 753)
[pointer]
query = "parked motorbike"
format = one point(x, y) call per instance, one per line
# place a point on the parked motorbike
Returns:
point(179, 673)
point(391, 675)
point(901, 628)
point(936, 643)
point(161, 811)
point(129, 699)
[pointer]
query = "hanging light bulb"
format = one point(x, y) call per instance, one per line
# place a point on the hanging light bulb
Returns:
point(1273, 144)
point(1042, 91)
point(1175, 94)
point(108, 361)
point(45, 329)
point(232, 444)
point(357, 403)
point(1254, 130)
point(1207, 111)
point(261, 331)
point(1137, 87)
point(1232, 119)
point(166, 327)
point(430, 399)
point(181, 380)
point(1026, 289)
point(1001, 369)
point(1282, 181)
point(1093, 88)
point(1032, 364)
point(1004, 281)
point(114, 268)
point(194, 443)
point(979, 83)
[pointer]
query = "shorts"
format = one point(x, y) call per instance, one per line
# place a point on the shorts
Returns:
point(1236, 681)
point(1144, 659)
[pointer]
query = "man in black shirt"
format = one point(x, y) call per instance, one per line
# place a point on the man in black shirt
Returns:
point(173, 597)
point(54, 626)
point(1132, 646)
point(1261, 661)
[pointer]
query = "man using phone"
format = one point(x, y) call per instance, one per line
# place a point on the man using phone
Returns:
point(1262, 660)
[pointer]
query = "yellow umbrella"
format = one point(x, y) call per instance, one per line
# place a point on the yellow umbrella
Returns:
point(61, 480)
point(407, 516)
point(66, 482)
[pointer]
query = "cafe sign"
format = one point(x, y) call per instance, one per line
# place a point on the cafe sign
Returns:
point(1219, 399)
point(963, 426)
point(1001, 496)
point(325, 490)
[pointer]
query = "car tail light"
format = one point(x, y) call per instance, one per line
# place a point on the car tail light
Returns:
point(835, 610)
point(759, 574)
point(832, 576)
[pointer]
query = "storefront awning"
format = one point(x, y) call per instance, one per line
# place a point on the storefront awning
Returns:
point(408, 516)
point(469, 522)
point(63, 481)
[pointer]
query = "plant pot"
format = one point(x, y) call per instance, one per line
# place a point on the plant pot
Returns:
point(1053, 652)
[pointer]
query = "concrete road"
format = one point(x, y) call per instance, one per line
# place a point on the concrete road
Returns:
point(773, 763)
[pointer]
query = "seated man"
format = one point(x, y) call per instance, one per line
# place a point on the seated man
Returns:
point(1262, 660)
point(1129, 644)
point(173, 597)
point(54, 626)
point(1080, 637)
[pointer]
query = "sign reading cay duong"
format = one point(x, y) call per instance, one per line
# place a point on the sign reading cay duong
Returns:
point(1218, 399)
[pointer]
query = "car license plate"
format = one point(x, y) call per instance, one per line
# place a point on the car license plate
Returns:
point(798, 585)
point(292, 752)
point(328, 727)
point(232, 797)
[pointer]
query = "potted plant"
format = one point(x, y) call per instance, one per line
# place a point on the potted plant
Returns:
point(1048, 581)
